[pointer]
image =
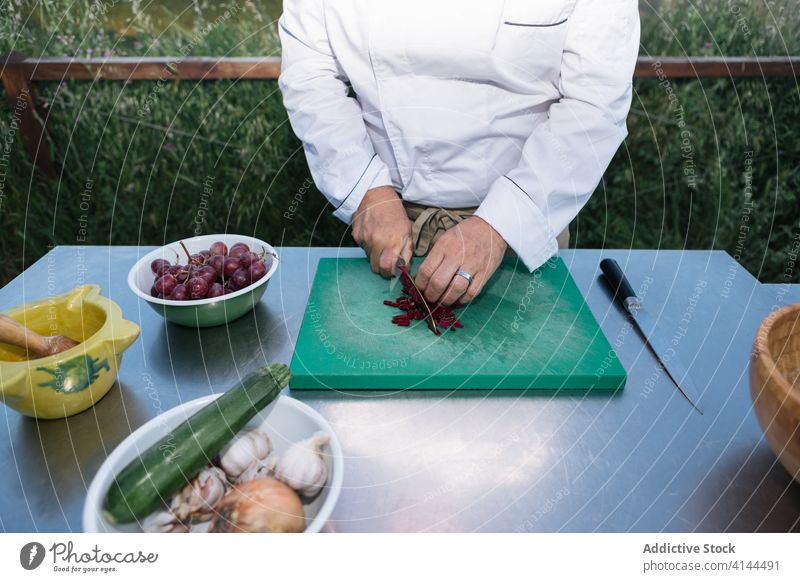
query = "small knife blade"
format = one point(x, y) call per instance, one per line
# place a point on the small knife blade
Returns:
point(646, 324)
point(401, 264)
point(400, 260)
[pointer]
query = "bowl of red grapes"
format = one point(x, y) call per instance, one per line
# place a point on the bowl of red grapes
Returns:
point(205, 280)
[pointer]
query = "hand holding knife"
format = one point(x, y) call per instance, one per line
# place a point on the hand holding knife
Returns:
point(646, 324)
point(399, 264)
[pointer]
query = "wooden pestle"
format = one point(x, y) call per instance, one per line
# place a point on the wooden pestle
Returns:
point(14, 333)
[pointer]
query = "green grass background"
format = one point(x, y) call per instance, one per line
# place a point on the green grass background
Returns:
point(134, 156)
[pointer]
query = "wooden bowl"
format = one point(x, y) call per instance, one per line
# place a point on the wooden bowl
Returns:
point(775, 384)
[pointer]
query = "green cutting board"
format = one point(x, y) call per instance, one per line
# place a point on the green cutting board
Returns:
point(526, 330)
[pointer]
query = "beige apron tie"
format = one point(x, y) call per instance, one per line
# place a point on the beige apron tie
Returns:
point(431, 222)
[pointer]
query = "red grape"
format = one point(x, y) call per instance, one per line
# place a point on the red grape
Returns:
point(219, 248)
point(182, 274)
point(208, 273)
point(206, 254)
point(179, 293)
point(230, 266)
point(241, 278)
point(238, 249)
point(197, 287)
point(158, 266)
point(197, 259)
point(164, 285)
point(248, 258)
point(153, 291)
point(218, 262)
point(215, 290)
point(257, 270)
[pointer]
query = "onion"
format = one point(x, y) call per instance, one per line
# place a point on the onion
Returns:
point(258, 506)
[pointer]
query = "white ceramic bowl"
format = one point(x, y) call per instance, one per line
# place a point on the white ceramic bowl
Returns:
point(200, 312)
point(286, 420)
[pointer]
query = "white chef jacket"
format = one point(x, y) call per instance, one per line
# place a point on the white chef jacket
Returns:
point(514, 106)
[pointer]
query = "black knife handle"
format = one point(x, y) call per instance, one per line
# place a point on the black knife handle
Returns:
point(616, 278)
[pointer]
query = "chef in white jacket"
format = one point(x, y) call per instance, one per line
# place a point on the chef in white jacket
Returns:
point(458, 128)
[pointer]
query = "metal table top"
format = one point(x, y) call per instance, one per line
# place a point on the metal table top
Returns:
point(636, 460)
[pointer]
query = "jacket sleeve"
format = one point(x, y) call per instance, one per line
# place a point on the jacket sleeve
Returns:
point(327, 120)
point(564, 159)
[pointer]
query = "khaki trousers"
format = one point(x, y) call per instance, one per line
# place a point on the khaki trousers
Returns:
point(430, 222)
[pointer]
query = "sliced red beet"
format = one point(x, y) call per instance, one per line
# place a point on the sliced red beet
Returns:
point(413, 308)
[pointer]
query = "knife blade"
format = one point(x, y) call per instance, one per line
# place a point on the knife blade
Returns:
point(401, 265)
point(646, 323)
point(394, 280)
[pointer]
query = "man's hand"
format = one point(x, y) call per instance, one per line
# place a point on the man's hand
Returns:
point(472, 246)
point(381, 227)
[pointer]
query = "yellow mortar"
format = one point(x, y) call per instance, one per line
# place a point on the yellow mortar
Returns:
point(70, 382)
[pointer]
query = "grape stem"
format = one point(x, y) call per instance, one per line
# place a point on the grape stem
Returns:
point(188, 255)
point(265, 252)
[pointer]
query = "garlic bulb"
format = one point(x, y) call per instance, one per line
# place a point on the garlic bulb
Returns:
point(194, 503)
point(259, 469)
point(196, 500)
point(302, 467)
point(163, 522)
point(249, 448)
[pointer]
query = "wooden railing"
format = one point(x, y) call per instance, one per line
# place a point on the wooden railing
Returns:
point(19, 71)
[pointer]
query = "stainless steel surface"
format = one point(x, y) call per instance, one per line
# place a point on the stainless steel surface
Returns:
point(664, 352)
point(637, 460)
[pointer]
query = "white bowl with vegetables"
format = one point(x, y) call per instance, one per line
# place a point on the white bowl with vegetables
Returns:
point(282, 471)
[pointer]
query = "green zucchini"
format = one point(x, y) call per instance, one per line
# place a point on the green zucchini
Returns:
point(159, 472)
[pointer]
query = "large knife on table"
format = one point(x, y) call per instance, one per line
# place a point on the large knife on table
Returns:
point(646, 323)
